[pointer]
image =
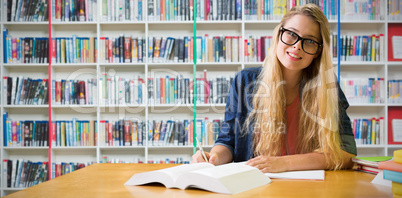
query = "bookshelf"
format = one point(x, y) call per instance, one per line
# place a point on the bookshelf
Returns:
point(145, 28)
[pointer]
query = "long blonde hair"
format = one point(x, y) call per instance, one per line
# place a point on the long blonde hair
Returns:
point(318, 113)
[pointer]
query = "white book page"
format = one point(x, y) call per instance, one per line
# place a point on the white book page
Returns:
point(229, 178)
point(312, 174)
point(166, 176)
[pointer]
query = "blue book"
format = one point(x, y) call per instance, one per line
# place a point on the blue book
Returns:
point(9, 49)
point(5, 34)
point(33, 57)
point(393, 176)
point(238, 9)
point(140, 10)
point(33, 140)
point(5, 116)
point(368, 132)
point(140, 93)
point(186, 49)
point(74, 49)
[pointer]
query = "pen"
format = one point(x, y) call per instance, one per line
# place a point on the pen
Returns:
point(202, 150)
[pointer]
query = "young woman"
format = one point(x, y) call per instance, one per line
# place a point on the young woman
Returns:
point(289, 114)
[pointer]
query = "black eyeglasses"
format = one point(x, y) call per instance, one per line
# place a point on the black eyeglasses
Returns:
point(309, 46)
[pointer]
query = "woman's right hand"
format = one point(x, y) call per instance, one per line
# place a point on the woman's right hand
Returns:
point(212, 158)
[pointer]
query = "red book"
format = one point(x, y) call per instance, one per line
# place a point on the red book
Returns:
point(245, 50)
point(82, 92)
point(54, 45)
point(367, 169)
point(53, 132)
point(162, 10)
point(162, 91)
point(207, 10)
point(206, 87)
point(58, 92)
point(58, 10)
point(58, 170)
point(127, 135)
point(110, 132)
point(109, 46)
point(259, 50)
point(127, 47)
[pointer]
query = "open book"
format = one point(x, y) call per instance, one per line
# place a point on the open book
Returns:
point(228, 178)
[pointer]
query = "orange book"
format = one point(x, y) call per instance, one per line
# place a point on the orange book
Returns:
point(390, 165)
point(91, 133)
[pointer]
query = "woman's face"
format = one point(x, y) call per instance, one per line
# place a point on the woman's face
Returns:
point(293, 57)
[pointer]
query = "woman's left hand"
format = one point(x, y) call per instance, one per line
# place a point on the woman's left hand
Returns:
point(269, 164)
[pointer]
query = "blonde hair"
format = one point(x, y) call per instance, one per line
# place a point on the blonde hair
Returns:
point(318, 129)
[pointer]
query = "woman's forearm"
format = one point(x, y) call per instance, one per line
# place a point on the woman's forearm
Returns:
point(312, 161)
point(223, 153)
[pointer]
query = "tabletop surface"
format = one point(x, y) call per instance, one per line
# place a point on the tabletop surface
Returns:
point(107, 180)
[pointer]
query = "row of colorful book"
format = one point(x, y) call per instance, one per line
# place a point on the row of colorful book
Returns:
point(209, 49)
point(116, 90)
point(25, 49)
point(71, 92)
point(128, 10)
point(35, 50)
point(22, 173)
point(74, 10)
point(19, 10)
point(256, 48)
point(369, 131)
point(275, 10)
point(67, 133)
point(392, 171)
point(123, 132)
point(395, 91)
point(25, 91)
point(359, 47)
point(127, 49)
point(170, 132)
point(179, 90)
point(179, 160)
point(182, 10)
point(122, 49)
point(74, 49)
point(25, 133)
point(363, 90)
point(132, 132)
point(62, 168)
point(362, 10)
point(180, 133)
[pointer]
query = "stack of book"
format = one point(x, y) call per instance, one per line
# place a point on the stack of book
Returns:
point(369, 164)
point(393, 171)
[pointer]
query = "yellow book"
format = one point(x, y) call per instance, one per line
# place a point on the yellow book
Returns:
point(397, 188)
point(62, 134)
point(373, 134)
point(210, 50)
point(62, 50)
point(373, 51)
point(398, 156)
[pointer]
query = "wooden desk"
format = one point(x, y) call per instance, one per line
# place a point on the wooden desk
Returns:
point(106, 180)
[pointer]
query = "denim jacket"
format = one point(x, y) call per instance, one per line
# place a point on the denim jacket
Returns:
point(239, 105)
